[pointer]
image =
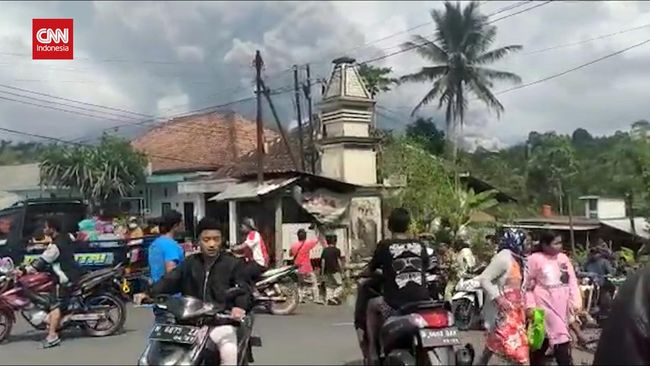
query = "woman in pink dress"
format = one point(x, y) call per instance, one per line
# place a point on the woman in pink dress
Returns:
point(551, 285)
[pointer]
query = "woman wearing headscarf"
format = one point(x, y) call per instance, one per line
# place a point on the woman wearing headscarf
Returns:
point(505, 306)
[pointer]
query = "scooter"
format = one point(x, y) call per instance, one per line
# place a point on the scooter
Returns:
point(468, 300)
point(187, 341)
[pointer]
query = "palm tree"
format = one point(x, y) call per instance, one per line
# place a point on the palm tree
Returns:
point(376, 78)
point(459, 53)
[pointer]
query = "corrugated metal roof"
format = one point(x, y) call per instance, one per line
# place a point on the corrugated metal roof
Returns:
point(554, 227)
point(250, 189)
point(640, 226)
point(20, 177)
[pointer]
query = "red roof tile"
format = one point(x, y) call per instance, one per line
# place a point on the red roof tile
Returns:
point(206, 141)
point(276, 160)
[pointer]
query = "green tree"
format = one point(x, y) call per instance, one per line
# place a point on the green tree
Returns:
point(460, 55)
point(101, 173)
point(377, 79)
point(426, 134)
point(428, 187)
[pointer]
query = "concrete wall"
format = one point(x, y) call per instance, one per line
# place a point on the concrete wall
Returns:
point(611, 208)
point(157, 194)
point(360, 166)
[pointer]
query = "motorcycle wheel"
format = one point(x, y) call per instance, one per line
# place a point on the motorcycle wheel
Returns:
point(290, 290)
point(464, 314)
point(6, 323)
point(115, 325)
point(440, 356)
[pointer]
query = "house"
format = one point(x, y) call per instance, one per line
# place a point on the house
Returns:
point(603, 218)
point(190, 147)
point(24, 181)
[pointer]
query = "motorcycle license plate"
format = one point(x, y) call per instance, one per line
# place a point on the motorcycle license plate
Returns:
point(431, 337)
point(174, 333)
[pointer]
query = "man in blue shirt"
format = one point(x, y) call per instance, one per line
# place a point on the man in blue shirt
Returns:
point(165, 253)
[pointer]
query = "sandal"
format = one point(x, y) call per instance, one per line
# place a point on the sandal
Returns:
point(49, 343)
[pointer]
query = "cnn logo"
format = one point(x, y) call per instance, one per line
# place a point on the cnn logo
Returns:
point(52, 39)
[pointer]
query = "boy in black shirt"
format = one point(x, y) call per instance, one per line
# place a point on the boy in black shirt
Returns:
point(331, 270)
point(403, 262)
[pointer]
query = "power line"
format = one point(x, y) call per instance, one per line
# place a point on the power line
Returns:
point(73, 100)
point(382, 57)
point(560, 74)
point(55, 139)
point(67, 105)
point(602, 36)
point(554, 76)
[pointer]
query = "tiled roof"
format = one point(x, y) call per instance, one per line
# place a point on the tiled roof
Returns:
point(206, 141)
point(276, 160)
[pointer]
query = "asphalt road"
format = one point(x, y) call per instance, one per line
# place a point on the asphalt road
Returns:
point(316, 335)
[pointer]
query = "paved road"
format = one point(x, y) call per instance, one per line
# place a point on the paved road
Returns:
point(318, 335)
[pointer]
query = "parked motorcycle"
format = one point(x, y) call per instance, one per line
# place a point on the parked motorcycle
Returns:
point(92, 303)
point(187, 341)
point(278, 289)
point(594, 301)
point(467, 301)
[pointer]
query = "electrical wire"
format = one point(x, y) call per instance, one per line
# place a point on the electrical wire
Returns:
point(406, 49)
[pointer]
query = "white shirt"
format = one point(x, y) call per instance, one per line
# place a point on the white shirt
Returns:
point(254, 241)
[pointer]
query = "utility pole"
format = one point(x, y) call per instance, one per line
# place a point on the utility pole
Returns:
point(312, 148)
point(300, 132)
point(267, 95)
point(260, 129)
point(571, 231)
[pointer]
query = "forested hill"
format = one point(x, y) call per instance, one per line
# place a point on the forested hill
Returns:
point(19, 152)
point(537, 170)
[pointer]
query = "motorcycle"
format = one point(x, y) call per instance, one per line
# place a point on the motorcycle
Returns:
point(422, 333)
point(278, 289)
point(467, 301)
point(92, 300)
point(593, 295)
point(187, 342)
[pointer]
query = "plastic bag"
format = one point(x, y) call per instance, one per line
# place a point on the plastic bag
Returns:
point(536, 330)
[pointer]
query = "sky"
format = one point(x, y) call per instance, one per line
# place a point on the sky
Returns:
point(157, 60)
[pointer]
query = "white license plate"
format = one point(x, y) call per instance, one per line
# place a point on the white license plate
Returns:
point(431, 337)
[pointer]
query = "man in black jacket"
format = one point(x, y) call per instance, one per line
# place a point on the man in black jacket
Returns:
point(57, 258)
point(207, 276)
point(625, 339)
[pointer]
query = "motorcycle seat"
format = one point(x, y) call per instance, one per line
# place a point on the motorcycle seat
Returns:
point(413, 307)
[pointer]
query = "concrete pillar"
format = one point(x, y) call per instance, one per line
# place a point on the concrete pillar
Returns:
point(279, 252)
point(199, 207)
point(232, 222)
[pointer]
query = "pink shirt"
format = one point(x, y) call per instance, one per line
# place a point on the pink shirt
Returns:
point(303, 258)
point(547, 290)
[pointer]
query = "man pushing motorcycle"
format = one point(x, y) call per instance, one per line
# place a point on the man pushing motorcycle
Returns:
point(58, 258)
point(208, 275)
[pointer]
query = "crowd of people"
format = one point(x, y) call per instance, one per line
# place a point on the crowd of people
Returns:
point(522, 277)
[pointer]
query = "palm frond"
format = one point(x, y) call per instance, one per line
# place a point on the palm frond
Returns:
point(431, 95)
point(426, 48)
point(485, 94)
point(498, 54)
point(426, 74)
point(497, 75)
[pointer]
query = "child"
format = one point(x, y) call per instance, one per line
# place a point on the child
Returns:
point(331, 265)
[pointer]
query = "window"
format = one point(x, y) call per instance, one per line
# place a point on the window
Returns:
point(166, 207)
point(593, 209)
